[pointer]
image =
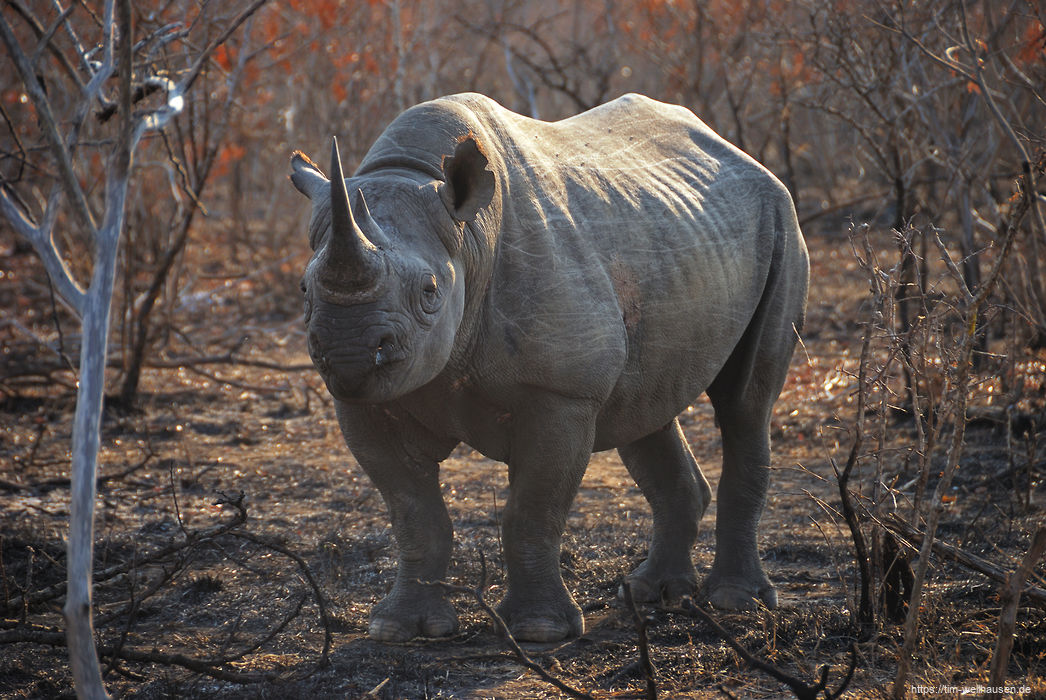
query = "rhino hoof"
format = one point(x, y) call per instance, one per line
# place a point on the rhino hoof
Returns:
point(641, 590)
point(729, 596)
point(544, 629)
point(670, 590)
point(386, 629)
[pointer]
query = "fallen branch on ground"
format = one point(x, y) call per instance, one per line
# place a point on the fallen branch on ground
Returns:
point(799, 688)
point(479, 594)
point(1010, 597)
point(214, 667)
point(194, 538)
point(644, 645)
point(1032, 594)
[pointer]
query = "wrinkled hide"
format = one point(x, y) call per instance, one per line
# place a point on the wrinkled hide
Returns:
point(539, 291)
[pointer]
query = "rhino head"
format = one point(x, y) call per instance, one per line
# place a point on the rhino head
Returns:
point(385, 289)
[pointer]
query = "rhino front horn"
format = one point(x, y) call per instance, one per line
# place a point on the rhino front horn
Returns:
point(350, 251)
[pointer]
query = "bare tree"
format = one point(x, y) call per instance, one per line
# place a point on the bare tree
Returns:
point(62, 118)
point(572, 53)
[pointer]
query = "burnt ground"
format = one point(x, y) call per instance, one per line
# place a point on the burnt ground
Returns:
point(179, 576)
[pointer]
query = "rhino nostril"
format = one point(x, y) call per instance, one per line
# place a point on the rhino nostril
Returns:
point(381, 353)
point(318, 357)
point(387, 352)
point(321, 362)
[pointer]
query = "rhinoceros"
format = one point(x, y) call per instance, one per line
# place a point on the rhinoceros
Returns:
point(539, 291)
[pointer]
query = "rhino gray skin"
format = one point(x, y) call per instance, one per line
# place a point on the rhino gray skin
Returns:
point(541, 291)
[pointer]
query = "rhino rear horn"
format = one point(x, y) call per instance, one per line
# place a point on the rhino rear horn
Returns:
point(350, 251)
point(468, 185)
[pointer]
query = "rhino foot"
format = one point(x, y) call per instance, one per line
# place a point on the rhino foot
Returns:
point(651, 585)
point(395, 620)
point(738, 595)
point(544, 629)
point(670, 588)
point(542, 623)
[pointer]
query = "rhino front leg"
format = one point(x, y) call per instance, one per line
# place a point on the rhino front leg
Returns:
point(551, 446)
point(671, 480)
point(408, 480)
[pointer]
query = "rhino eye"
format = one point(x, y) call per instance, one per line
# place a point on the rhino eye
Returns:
point(430, 298)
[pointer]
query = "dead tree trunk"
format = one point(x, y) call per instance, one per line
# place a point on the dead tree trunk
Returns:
point(93, 304)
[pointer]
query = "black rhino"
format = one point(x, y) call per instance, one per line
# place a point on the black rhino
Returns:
point(541, 291)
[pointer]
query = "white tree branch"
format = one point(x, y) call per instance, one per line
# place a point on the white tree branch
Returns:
point(41, 239)
point(49, 126)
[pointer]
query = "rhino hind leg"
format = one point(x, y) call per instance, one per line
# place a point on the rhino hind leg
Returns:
point(743, 395)
point(665, 470)
point(737, 580)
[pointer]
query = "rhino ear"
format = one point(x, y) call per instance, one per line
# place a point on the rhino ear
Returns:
point(467, 184)
point(307, 177)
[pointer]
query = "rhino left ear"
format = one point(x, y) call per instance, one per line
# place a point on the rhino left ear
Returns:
point(467, 184)
point(307, 177)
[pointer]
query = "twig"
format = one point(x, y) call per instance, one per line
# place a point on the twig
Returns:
point(376, 690)
point(865, 613)
point(644, 645)
point(226, 359)
point(1035, 596)
point(56, 638)
point(194, 538)
point(1010, 596)
point(239, 385)
point(478, 593)
point(40, 32)
point(295, 611)
point(45, 485)
point(317, 593)
point(800, 689)
point(194, 72)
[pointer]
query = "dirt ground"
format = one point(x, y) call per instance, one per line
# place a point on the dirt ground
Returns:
point(174, 584)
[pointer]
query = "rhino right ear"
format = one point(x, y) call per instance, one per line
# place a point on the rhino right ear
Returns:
point(468, 185)
point(307, 177)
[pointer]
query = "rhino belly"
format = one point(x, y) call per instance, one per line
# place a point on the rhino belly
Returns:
point(671, 361)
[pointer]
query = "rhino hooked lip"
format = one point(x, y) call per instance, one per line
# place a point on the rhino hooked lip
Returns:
point(389, 353)
point(360, 372)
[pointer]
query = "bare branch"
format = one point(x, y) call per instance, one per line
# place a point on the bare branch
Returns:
point(39, 30)
point(44, 40)
point(187, 82)
point(478, 593)
point(800, 689)
point(1010, 596)
point(49, 126)
point(644, 645)
point(40, 236)
point(1034, 595)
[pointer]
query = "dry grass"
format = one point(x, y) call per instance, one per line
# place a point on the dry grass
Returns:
point(272, 436)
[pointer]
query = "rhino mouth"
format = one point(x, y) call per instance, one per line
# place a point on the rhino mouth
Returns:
point(370, 376)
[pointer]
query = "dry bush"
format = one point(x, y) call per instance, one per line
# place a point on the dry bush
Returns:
point(871, 112)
